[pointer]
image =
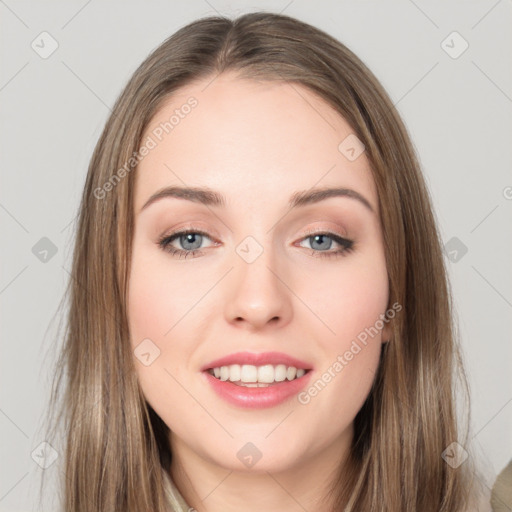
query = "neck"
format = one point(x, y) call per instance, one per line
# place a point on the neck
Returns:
point(208, 487)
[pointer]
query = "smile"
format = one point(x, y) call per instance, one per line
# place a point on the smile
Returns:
point(256, 376)
point(256, 395)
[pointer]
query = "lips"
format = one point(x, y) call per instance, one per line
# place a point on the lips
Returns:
point(257, 359)
point(256, 395)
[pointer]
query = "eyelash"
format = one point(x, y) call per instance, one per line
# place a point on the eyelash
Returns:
point(346, 244)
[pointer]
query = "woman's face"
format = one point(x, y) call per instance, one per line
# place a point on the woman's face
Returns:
point(253, 278)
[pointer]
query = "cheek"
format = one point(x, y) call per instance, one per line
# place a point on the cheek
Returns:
point(348, 298)
point(350, 302)
point(155, 307)
point(146, 307)
point(157, 299)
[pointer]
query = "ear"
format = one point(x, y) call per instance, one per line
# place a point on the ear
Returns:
point(386, 332)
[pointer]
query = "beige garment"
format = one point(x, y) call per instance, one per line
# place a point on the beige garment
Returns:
point(502, 490)
point(174, 498)
point(177, 503)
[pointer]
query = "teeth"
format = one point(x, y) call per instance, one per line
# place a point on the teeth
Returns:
point(248, 373)
point(265, 374)
point(234, 372)
point(257, 376)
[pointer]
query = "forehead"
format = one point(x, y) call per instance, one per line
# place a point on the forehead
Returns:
point(249, 140)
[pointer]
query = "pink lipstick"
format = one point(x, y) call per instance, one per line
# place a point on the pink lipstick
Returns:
point(257, 380)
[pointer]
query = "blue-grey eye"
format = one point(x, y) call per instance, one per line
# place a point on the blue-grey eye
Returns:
point(191, 241)
point(323, 242)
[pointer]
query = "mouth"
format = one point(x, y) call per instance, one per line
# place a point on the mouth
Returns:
point(252, 376)
point(253, 394)
point(257, 380)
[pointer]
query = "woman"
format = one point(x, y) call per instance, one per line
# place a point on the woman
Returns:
point(299, 355)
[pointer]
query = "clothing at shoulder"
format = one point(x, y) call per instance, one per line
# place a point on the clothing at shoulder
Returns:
point(174, 498)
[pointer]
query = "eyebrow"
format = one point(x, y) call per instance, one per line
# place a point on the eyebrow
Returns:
point(211, 198)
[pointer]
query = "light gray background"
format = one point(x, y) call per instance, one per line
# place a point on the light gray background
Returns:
point(458, 112)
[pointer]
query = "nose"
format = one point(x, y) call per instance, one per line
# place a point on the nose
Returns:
point(258, 295)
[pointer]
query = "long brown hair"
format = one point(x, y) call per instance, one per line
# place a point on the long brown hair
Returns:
point(115, 444)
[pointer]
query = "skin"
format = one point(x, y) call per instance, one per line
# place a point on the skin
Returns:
point(249, 140)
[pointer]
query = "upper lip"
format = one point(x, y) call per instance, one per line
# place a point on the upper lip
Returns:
point(257, 359)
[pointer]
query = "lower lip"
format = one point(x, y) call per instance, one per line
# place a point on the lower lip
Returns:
point(257, 398)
